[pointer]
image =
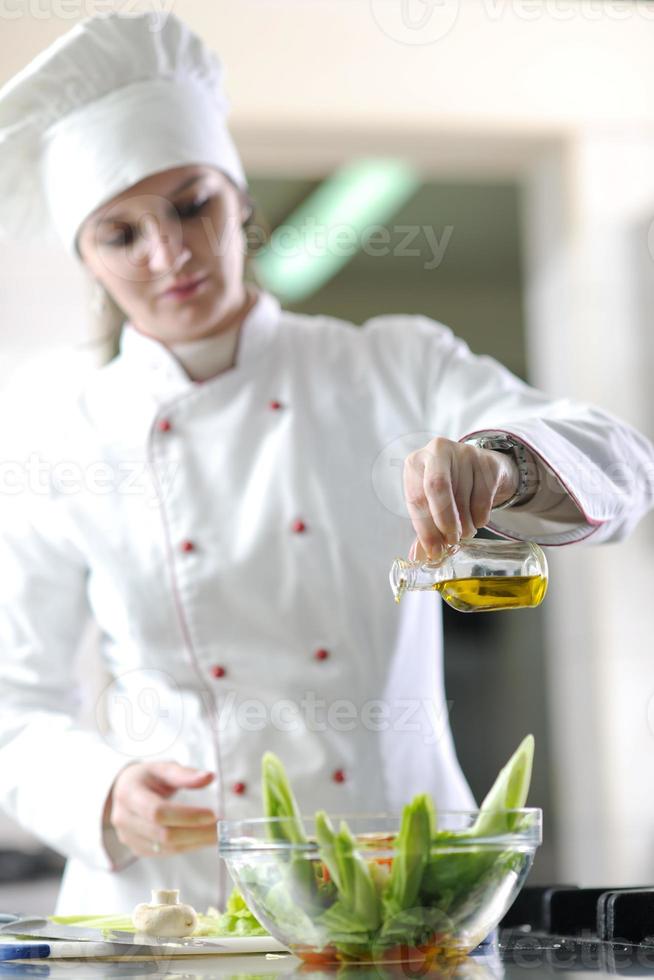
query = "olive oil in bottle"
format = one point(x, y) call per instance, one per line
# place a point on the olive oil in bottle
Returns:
point(493, 592)
point(479, 576)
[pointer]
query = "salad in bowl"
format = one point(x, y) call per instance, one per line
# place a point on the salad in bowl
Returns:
point(423, 884)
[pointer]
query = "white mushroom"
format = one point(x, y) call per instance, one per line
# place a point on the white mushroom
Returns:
point(165, 915)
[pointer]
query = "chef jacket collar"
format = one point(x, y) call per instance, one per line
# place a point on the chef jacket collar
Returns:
point(162, 373)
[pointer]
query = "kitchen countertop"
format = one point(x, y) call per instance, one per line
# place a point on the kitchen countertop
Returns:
point(528, 956)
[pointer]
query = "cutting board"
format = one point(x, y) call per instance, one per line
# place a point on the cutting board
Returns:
point(66, 949)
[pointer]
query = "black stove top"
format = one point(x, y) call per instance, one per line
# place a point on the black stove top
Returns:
point(533, 954)
point(610, 914)
point(557, 929)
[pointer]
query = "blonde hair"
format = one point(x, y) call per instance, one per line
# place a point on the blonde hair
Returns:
point(107, 322)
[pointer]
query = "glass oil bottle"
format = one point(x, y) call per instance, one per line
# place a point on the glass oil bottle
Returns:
point(478, 575)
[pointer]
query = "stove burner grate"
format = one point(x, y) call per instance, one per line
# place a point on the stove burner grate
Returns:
point(617, 915)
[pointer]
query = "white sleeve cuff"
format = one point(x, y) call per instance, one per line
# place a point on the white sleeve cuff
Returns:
point(556, 515)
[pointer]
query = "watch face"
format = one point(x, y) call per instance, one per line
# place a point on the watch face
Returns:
point(496, 442)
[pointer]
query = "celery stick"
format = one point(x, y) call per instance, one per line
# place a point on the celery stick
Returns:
point(279, 801)
point(508, 792)
point(358, 907)
point(107, 921)
point(325, 835)
point(412, 848)
point(363, 898)
point(450, 876)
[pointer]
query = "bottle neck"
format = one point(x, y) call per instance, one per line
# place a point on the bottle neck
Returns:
point(409, 576)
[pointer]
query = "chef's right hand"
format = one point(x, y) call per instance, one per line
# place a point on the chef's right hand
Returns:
point(143, 817)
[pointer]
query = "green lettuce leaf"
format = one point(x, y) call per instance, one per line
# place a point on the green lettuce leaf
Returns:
point(236, 920)
point(279, 801)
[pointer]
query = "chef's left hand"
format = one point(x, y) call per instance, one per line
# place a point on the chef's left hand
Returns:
point(450, 489)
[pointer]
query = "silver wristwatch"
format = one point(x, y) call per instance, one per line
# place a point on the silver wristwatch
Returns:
point(528, 479)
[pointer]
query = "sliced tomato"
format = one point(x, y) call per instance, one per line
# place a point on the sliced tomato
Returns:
point(316, 957)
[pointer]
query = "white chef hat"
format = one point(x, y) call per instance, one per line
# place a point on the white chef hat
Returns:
point(116, 99)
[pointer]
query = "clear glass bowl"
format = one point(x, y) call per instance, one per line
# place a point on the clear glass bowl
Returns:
point(466, 887)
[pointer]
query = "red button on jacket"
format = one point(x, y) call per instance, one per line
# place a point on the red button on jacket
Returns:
point(239, 788)
point(274, 405)
point(338, 776)
point(218, 671)
point(321, 654)
point(187, 546)
point(164, 425)
point(299, 527)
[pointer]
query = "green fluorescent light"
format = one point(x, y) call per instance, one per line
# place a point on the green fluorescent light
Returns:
point(331, 225)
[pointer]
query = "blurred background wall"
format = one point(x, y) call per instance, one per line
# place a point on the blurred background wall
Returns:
point(531, 125)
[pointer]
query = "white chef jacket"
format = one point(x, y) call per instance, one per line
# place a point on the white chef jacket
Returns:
point(232, 540)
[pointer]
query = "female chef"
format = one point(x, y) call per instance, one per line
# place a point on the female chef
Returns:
point(231, 530)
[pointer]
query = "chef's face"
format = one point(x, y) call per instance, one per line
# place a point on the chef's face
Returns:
point(182, 227)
